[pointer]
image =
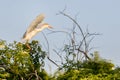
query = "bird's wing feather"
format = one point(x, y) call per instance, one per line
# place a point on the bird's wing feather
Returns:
point(35, 22)
point(24, 35)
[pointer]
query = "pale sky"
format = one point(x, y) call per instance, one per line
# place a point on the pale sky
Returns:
point(101, 16)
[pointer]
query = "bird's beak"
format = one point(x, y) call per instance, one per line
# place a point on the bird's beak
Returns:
point(50, 26)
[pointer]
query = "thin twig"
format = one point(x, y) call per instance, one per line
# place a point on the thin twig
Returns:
point(84, 54)
point(47, 43)
point(52, 61)
point(49, 51)
point(58, 55)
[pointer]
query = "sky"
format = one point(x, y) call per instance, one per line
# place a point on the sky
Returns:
point(101, 16)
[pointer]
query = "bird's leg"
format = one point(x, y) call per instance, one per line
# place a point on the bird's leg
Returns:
point(28, 46)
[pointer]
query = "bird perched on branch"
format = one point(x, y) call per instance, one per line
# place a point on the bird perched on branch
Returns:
point(36, 26)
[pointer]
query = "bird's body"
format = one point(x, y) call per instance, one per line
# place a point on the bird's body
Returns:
point(32, 33)
point(36, 26)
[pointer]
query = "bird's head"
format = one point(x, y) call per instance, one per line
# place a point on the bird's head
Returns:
point(42, 26)
point(46, 25)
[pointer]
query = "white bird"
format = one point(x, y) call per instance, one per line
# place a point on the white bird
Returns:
point(36, 26)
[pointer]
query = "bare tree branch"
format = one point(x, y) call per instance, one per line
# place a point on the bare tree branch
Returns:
point(83, 35)
point(84, 39)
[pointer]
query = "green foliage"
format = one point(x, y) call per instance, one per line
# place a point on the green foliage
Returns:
point(18, 61)
point(94, 69)
point(98, 65)
point(87, 74)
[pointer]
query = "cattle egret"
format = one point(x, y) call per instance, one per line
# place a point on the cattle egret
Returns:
point(36, 26)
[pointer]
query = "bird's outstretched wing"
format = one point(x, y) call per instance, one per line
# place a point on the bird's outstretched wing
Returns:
point(34, 24)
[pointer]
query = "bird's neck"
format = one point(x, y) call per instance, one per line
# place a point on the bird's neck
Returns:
point(40, 29)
